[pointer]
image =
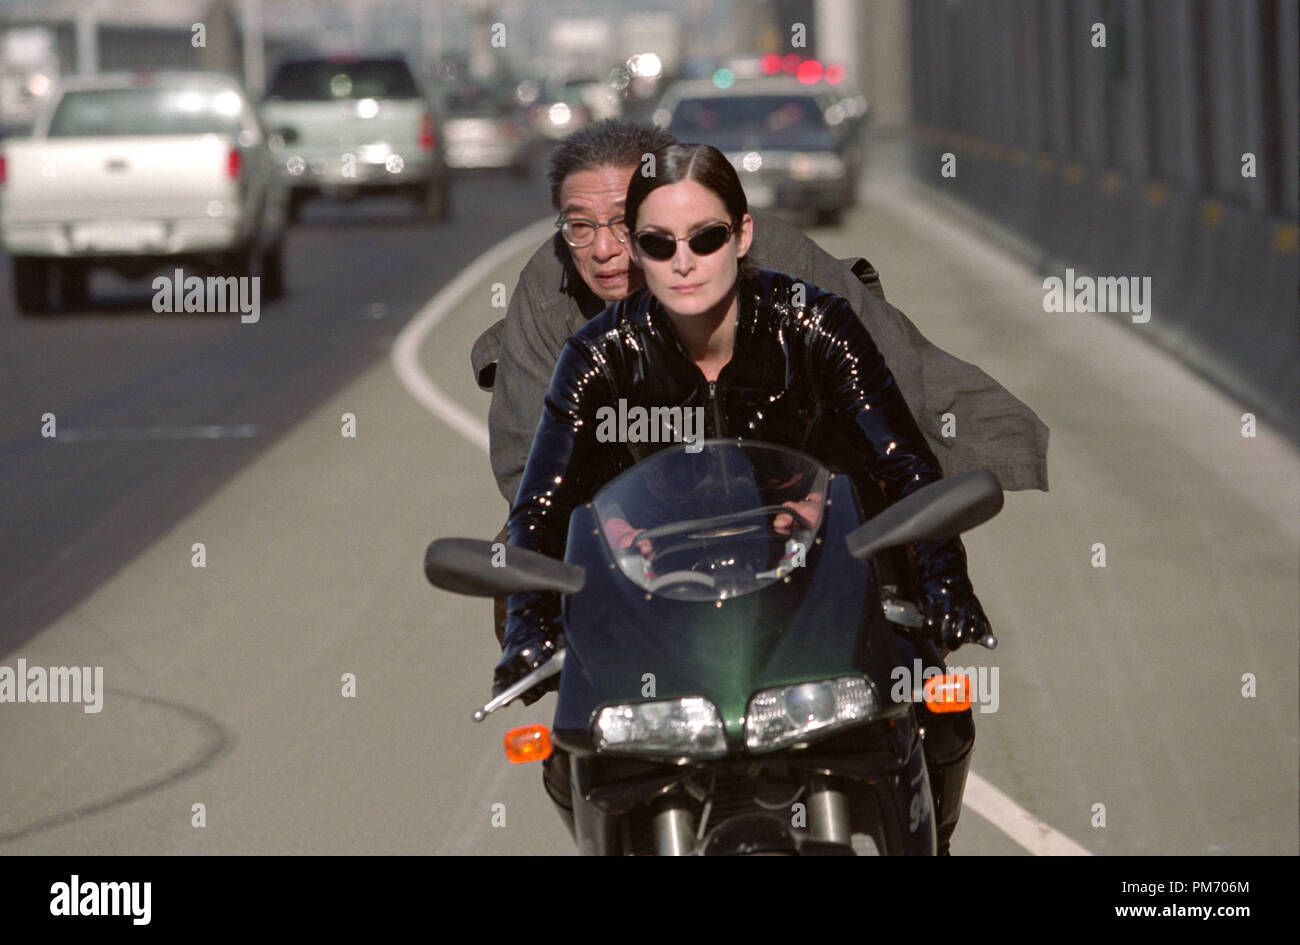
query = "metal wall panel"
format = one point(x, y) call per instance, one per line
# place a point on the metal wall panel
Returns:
point(1010, 74)
point(1233, 106)
point(1255, 137)
point(1130, 131)
point(1091, 65)
point(1056, 32)
point(1288, 85)
point(1173, 102)
point(1034, 82)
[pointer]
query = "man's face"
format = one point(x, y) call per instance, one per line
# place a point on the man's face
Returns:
point(605, 265)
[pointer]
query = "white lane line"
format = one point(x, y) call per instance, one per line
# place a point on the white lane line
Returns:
point(981, 797)
point(210, 432)
point(1016, 822)
point(406, 349)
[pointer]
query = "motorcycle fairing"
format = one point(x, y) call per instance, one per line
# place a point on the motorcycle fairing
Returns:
point(626, 645)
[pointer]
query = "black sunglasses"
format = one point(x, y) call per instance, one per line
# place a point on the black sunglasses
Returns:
point(702, 242)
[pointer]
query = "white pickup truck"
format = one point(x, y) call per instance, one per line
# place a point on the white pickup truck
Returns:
point(139, 172)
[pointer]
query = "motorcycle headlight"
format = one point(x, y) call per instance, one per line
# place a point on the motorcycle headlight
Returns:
point(788, 714)
point(688, 727)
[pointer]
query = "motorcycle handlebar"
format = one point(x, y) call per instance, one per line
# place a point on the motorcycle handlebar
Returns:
point(907, 614)
point(902, 612)
point(548, 669)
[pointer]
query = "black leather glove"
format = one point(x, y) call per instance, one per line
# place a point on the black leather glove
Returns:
point(531, 639)
point(953, 615)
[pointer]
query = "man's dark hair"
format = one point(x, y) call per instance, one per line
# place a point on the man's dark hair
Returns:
point(701, 163)
point(611, 142)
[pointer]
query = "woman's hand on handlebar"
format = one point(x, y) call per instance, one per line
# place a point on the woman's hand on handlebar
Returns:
point(953, 614)
point(524, 651)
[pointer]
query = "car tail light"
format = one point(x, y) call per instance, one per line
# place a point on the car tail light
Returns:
point(234, 162)
point(809, 72)
point(3, 169)
point(427, 140)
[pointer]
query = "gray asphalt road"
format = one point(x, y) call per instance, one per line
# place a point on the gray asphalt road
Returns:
point(1123, 721)
point(136, 394)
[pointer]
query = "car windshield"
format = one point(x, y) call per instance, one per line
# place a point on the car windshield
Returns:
point(568, 93)
point(92, 113)
point(325, 81)
point(476, 101)
point(723, 520)
point(769, 121)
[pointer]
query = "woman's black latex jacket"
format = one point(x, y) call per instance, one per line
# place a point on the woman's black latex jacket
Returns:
point(807, 376)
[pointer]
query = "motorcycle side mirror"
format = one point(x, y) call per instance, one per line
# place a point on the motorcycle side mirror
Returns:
point(938, 511)
point(480, 568)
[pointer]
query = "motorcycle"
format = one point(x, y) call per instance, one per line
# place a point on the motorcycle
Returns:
point(727, 656)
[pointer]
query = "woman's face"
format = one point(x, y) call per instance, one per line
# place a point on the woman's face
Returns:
point(690, 284)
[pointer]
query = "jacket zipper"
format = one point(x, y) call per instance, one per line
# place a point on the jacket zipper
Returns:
point(717, 413)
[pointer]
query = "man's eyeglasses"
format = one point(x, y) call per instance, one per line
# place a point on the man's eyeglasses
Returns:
point(578, 232)
point(702, 242)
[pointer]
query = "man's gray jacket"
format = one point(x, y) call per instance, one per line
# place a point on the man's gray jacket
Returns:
point(516, 357)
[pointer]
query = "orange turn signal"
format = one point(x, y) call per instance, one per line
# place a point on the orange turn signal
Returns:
point(530, 743)
point(947, 693)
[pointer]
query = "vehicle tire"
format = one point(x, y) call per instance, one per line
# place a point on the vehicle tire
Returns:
point(252, 262)
point(72, 278)
point(244, 261)
point(273, 272)
point(31, 285)
point(434, 201)
point(297, 197)
point(831, 217)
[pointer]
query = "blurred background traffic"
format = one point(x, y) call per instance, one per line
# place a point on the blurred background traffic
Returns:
point(1135, 133)
point(355, 98)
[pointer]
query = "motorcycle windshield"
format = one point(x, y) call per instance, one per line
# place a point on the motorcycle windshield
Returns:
point(715, 520)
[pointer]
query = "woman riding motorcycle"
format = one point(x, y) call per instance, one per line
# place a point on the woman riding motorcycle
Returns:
point(766, 356)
